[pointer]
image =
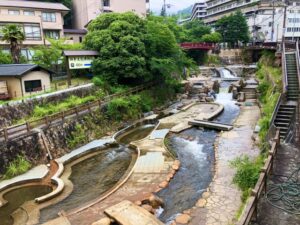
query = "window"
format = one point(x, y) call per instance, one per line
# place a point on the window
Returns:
point(32, 31)
point(106, 3)
point(80, 39)
point(13, 12)
point(28, 13)
point(49, 17)
point(54, 34)
point(28, 54)
point(33, 85)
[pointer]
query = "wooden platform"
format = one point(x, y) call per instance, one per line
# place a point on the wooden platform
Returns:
point(127, 213)
point(212, 125)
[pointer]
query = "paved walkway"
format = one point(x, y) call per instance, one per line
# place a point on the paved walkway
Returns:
point(219, 207)
point(287, 160)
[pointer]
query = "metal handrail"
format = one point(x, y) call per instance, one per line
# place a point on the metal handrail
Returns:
point(284, 69)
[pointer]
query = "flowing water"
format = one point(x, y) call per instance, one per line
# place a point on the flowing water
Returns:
point(18, 197)
point(96, 175)
point(226, 73)
point(195, 151)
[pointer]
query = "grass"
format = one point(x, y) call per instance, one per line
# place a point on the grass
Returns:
point(77, 137)
point(19, 166)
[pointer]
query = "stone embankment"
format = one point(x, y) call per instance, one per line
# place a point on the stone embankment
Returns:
point(21, 109)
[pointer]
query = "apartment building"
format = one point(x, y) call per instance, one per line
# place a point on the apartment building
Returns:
point(199, 10)
point(87, 10)
point(37, 19)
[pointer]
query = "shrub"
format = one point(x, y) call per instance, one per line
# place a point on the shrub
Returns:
point(19, 166)
point(247, 173)
point(78, 136)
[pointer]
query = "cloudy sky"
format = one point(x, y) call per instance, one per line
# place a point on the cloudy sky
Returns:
point(156, 5)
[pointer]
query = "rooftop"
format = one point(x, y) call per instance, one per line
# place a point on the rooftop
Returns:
point(80, 53)
point(33, 5)
point(18, 69)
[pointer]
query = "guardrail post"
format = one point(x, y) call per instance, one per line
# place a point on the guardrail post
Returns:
point(5, 134)
point(76, 111)
point(27, 126)
point(89, 107)
point(99, 102)
point(47, 120)
point(62, 115)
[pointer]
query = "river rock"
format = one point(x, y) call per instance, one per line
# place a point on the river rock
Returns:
point(201, 203)
point(163, 184)
point(183, 219)
point(205, 195)
point(175, 167)
point(139, 203)
point(148, 208)
point(103, 221)
point(155, 201)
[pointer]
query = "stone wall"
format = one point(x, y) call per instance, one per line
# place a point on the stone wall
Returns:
point(33, 149)
point(13, 112)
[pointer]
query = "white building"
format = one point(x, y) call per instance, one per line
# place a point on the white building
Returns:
point(199, 10)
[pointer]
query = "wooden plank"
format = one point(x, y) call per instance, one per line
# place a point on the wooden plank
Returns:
point(127, 213)
point(213, 125)
point(247, 212)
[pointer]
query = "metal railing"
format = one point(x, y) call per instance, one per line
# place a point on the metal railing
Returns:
point(24, 128)
point(250, 210)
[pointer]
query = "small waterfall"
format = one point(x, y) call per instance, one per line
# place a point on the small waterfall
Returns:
point(227, 74)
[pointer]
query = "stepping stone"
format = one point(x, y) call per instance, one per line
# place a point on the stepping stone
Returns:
point(127, 213)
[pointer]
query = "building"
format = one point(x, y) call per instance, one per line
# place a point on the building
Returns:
point(87, 10)
point(75, 35)
point(37, 19)
point(216, 9)
point(199, 10)
point(25, 79)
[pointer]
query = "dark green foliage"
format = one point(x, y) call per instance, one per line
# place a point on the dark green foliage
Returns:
point(247, 173)
point(134, 50)
point(196, 30)
point(19, 166)
point(78, 136)
point(233, 28)
point(5, 58)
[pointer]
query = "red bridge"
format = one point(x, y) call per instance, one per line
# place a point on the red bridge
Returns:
point(197, 45)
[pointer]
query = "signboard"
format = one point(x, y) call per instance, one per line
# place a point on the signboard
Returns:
point(80, 62)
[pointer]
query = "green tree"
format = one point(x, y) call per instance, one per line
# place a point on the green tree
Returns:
point(195, 30)
point(5, 58)
point(233, 28)
point(49, 56)
point(133, 50)
point(13, 35)
point(214, 37)
point(119, 40)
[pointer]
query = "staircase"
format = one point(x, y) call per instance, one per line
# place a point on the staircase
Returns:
point(284, 117)
point(292, 77)
point(250, 92)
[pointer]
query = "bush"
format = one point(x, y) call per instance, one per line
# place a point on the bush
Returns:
point(247, 173)
point(19, 166)
point(78, 136)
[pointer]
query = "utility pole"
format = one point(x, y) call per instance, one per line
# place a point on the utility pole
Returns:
point(273, 18)
point(284, 23)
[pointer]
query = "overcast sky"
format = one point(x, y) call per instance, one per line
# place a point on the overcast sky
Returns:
point(156, 5)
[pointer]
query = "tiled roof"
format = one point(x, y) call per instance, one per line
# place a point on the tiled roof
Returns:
point(80, 53)
point(75, 31)
point(33, 5)
point(18, 69)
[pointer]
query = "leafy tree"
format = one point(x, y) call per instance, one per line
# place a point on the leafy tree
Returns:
point(233, 28)
point(214, 37)
point(195, 30)
point(5, 58)
point(13, 35)
point(47, 56)
point(171, 21)
point(119, 40)
point(133, 50)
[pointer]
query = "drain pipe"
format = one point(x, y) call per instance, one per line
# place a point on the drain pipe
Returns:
point(43, 137)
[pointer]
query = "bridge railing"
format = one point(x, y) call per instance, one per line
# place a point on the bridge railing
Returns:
point(250, 210)
point(26, 127)
point(197, 45)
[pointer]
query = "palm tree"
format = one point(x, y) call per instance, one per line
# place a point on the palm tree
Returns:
point(13, 35)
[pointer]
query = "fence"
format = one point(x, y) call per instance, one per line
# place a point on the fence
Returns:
point(16, 130)
point(250, 210)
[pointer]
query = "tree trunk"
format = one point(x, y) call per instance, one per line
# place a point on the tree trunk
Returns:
point(15, 51)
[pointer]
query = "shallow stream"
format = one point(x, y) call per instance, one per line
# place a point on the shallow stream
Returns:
point(195, 150)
